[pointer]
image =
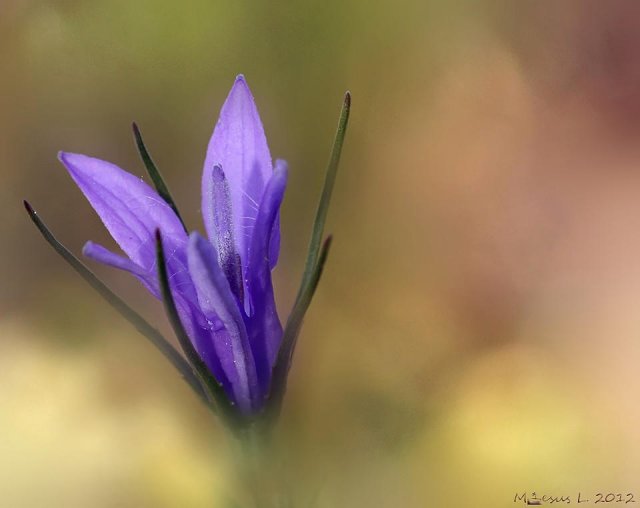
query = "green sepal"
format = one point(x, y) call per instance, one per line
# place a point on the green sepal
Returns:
point(290, 335)
point(154, 173)
point(216, 395)
point(316, 258)
point(325, 198)
point(140, 324)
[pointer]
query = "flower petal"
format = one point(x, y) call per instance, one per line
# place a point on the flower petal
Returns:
point(103, 255)
point(129, 208)
point(132, 212)
point(263, 324)
point(239, 146)
point(219, 305)
point(274, 243)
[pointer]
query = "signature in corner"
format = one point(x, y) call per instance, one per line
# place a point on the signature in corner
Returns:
point(534, 500)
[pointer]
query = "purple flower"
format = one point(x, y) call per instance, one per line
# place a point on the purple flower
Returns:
point(221, 284)
point(217, 291)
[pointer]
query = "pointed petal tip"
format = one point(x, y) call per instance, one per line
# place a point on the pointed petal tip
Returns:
point(281, 165)
point(68, 158)
point(198, 243)
point(281, 168)
point(240, 85)
point(195, 237)
point(89, 247)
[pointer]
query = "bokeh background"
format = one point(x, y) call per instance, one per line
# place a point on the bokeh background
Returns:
point(477, 332)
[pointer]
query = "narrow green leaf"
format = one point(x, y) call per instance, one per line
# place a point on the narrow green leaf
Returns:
point(154, 336)
point(217, 397)
point(325, 198)
point(154, 173)
point(290, 335)
point(316, 258)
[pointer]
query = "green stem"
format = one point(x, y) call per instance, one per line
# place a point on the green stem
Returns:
point(256, 468)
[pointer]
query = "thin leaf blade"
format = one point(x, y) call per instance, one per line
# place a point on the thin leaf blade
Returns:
point(314, 264)
point(290, 335)
point(139, 323)
point(154, 172)
point(327, 190)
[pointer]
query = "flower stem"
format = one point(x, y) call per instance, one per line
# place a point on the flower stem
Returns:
point(256, 464)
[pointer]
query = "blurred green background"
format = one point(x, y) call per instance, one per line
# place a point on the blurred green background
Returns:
point(477, 331)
